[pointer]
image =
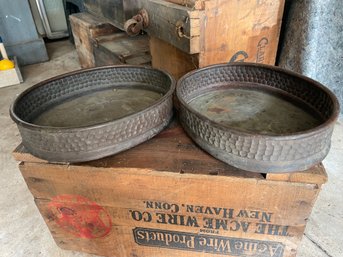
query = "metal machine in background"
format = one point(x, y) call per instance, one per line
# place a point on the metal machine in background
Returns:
point(19, 33)
point(53, 18)
point(24, 28)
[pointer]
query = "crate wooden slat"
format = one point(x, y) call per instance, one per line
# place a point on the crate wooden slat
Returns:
point(315, 175)
point(167, 57)
point(119, 48)
point(241, 30)
point(166, 197)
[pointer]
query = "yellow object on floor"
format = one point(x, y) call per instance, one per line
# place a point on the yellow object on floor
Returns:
point(6, 64)
point(10, 73)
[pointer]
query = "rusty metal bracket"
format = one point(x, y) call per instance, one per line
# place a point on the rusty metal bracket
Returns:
point(137, 23)
point(180, 29)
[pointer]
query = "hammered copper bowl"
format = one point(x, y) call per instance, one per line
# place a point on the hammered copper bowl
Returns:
point(249, 149)
point(94, 141)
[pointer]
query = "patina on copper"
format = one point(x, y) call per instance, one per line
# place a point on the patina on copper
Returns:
point(256, 117)
point(92, 113)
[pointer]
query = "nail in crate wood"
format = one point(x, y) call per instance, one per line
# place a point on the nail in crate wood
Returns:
point(229, 31)
point(166, 197)
point(85, 28)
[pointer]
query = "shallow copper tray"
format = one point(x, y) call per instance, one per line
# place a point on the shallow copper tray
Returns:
point(88, 114)
point(256, 117)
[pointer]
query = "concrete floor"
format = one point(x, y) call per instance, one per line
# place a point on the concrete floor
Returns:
point(24, 233)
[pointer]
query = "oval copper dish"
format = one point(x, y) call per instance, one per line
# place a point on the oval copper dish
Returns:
point(245, 144)
point(88, 140)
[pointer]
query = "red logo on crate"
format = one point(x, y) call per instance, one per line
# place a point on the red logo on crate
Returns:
point(80, 216)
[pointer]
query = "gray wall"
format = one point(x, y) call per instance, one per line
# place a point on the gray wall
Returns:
point(312, 41)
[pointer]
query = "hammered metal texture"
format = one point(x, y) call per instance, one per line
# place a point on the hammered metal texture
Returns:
point(254, 152)
point(93, 142)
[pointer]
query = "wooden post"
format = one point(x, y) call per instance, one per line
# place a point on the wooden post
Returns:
point(86, 27)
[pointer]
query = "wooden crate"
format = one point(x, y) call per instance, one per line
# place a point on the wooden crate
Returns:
point(164, 19)
point(228, 31)
point(189, 34)
point(167, 197)
point(85, 28)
